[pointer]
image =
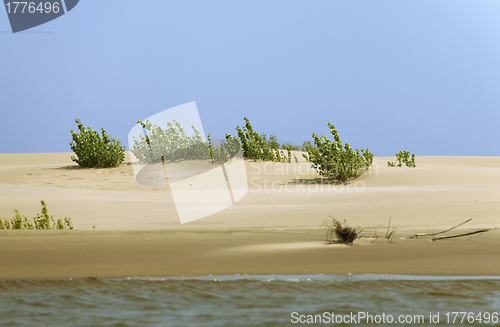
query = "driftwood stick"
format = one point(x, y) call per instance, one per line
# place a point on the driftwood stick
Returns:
point(387, 233)
point(392, 234)
point(444, 231)
point(460, 235)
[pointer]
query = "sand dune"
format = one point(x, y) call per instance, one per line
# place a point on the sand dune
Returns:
point(275, 228)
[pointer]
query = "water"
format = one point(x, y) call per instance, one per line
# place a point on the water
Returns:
point(244, 300)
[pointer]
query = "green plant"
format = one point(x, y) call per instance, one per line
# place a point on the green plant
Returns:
point(170, 144)
point(289, 145)
point(174, 144)
point(255, 146)
point(224, 151)
point(340, 232)
point(94, 150)
point(306, 146)
point(273, 142)
point(334, 160)
point(258, 147)
point(42, 221)
point(403, 157)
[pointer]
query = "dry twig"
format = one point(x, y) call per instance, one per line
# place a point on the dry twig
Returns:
point(461, 235)
point(392, 234)
point(442, 232)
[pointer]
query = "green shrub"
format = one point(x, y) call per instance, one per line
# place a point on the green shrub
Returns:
point(258, 147)
point(306, 146)
point(224, 151)
point(41, 221)
point(272, 143)
point(255, 146)
point(275, 145)
point(332, 160)
point(403, 157)
point(289, 145)
point(174, 144)
point(94, 150)
point(170, 144)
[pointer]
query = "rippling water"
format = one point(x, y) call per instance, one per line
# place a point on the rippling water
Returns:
point(240, 300)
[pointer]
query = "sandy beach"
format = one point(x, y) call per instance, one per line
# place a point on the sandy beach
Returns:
point(275, 229)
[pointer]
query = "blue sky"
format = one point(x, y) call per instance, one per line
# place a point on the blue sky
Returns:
point(422, 76)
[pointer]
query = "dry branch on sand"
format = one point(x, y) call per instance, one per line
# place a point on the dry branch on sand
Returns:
point(465, 234)
point(441, 232)
point(451, 236)
point(340, 232)
point(389, 235)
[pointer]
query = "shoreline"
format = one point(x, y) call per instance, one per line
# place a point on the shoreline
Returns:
point(270, 278)
point(120, 254)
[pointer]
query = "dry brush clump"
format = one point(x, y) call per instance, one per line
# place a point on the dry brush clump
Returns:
point(340, 232)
